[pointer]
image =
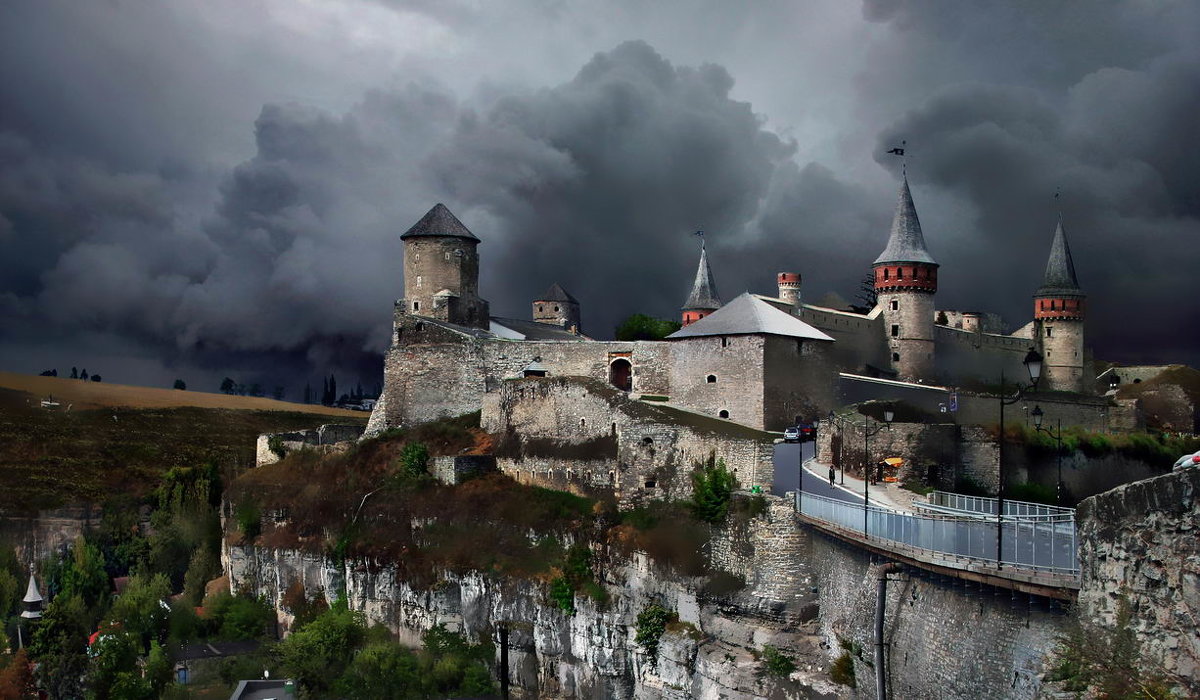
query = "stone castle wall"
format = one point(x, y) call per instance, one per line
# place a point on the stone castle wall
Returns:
point(858, 340)
point(579, 434)
point(909, 332)
point(322, 436)
point(731, 361)
point(1140, 541)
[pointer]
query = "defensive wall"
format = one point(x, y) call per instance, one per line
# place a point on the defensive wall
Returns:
point(322, 436)
point(1139, 541)
point(580, 433)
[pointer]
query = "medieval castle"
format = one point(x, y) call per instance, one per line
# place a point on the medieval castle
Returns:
point(760, 361)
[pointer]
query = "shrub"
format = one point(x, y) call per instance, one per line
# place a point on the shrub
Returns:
point(776, 663)
point(249, 519)
point(563, 594)
point(651, 624)
point(275, 444)
point(712, 487)
point(414, 459)
point(842, 670)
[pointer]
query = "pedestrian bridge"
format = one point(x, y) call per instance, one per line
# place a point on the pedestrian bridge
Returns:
point(957, 536)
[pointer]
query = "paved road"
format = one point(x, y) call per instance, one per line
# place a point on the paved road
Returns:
point(787, 465)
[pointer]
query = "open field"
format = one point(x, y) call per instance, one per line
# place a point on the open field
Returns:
point(90, 394)
point(121, 439)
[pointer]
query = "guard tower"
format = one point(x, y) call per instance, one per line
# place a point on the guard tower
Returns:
point(704, 299)
point(905, 283)
point(558, 308)
point(1058, 312)
point(441, 271)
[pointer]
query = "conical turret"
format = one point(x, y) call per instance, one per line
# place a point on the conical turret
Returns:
point(704, 299)
point(32, 599)
point(906, 243)
point(1058, 310)
point(1060, 268)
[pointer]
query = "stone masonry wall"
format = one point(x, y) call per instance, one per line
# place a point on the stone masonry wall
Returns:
point(922, 446)
point(320, 437)
point(735, 362)
point(945, 638)
point(1140, 541)
point(569, 431)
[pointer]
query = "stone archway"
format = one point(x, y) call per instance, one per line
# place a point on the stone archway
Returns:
point(620, 374)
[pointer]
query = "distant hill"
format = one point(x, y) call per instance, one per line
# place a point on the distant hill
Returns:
point(87, 394)
point(108, 440)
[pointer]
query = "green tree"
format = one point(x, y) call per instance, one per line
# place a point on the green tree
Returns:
point(59, 646)
point(239, 617)
point(651, 624)
point(180, 385)
point(382, 670)
point(415, 459)
point(316, 654)
point(85, 575)
point(199, 572)
point(111, 673)
point(643, 327)
point(142, 610)
point(712, 488)
point(941, 319)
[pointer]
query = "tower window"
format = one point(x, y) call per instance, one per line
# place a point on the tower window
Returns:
point(895, 305)
point(711, 379)
point(416, 306)
point(724, 342)
point(419, 280)
point(1049, 331)
point(895, 331)
point(539, 309)
point(420, 326)
point(899, 273)
point(723, 414)
point(447, 255)
point(556, 308)
point(885, 273)
point(895, 357)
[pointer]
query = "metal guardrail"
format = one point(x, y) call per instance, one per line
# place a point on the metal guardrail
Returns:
point(984, 504)
point(1041, 543)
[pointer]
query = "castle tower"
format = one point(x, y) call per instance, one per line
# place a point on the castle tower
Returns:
point(703, 300)
point(1058, 313)
point(789, 289)
point(557, 308)
point(441, 270)
point(905, 283)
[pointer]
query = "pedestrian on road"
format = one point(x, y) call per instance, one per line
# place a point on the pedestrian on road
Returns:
point(831, 475)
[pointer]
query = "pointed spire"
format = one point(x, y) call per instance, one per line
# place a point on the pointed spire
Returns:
point(704, 290)
point(906, 243)
point(1060, 268)
point(32, 599)
point(439, 221)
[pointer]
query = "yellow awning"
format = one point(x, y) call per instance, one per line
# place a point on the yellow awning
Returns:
point(894, 461)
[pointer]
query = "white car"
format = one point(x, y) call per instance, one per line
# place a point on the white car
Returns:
point(791, 434)
point(1188, 461)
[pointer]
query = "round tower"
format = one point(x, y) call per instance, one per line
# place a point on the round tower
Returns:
point(905, 283)
point(789, 289)
point(703, 300)
point(558, 308)
point(1058, 313)
point(441, 270)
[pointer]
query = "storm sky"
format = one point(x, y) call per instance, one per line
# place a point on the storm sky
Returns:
point(201, 189)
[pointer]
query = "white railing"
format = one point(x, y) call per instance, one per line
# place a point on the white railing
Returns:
point(984, 504)
point(1041, 543)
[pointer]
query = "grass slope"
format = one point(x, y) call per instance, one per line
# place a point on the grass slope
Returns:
point(52, 458)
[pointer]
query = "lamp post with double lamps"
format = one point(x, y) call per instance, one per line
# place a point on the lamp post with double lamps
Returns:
point(1038, 417)
point(888, 415)
point(1033, 365)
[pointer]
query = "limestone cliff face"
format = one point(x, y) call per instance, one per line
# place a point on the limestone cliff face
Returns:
point(1142, 540)
point(711, 653)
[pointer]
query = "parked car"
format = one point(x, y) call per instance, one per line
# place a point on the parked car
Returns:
point(1188, 461)
point(791, 434)
point(807, 432)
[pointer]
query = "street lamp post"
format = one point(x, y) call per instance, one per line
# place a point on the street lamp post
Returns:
point(834, 420)
point(888, 415)
point(1033, 364)
point(1038, 417)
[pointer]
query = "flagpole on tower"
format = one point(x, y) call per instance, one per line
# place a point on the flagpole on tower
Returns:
point(900, 151)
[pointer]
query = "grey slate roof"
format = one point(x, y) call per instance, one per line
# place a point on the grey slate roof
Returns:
point(748, 315)
point(906, 243)
point(1060, 268)
point(532, 330)
point(557, 293)
point(32, 595)
point(704, 290)
point(439, 222)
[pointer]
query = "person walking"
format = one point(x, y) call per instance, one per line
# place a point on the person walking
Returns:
point(831, 475)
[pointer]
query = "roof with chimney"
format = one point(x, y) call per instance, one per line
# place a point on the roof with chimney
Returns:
point(749, 315)
point(439, 222)
point(906, 243)
point(1060, 268)
point(557, 293)
point(704, 290)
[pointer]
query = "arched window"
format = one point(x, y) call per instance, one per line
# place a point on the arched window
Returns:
point(711, 379)
point(899, 273)
point(647, 441)
point(556, 308)
point(416, 306)
point(539, 309)
point(885, 273)
point(723, 414)
point(895, 357)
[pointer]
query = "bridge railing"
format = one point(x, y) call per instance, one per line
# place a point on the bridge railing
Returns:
point(984, 504)
point(1043, 543)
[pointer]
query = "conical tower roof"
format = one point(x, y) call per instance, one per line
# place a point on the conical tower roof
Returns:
point(439, 221)
point(906, 242)
point(1060, 268)
point(704, 290)
point(557, 293)
point(31, 593)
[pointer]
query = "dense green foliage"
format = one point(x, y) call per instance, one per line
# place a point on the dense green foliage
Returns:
point(776, 663)
point(712, 487)
point(643, 327)
point(651, 624)
point(415, 459)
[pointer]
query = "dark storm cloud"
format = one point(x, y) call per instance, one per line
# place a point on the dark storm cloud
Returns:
point(127, 224)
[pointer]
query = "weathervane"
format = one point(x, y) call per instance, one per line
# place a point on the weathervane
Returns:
point(701, 235)
point(900, 152)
